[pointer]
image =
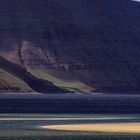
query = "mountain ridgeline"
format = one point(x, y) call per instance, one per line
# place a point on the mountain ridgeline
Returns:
point(55, 46)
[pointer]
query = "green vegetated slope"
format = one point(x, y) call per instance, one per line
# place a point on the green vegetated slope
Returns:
point(16, 79)
point(11, 83)
point(77, 45)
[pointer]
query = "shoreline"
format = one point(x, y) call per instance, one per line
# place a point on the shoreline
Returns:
point(64, 119)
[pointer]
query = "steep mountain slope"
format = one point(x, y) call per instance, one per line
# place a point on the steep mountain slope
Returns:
point(77, 45)
point(20, 74)
point(10, 83)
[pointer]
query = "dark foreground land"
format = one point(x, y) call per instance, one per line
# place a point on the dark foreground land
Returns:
point(28, 127)
point(98, 137)
point(118, 108)
point(69, 103)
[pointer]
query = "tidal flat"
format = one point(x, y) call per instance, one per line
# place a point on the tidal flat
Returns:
point(62, 126)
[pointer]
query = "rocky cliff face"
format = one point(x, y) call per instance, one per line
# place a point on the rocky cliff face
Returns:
point(76, 45)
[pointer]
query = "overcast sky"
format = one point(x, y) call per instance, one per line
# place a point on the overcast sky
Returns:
point(137, 0)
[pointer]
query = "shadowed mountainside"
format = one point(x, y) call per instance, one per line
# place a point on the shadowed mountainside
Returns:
point(76, 45)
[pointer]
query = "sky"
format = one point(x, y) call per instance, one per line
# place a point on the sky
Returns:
point(137, 0)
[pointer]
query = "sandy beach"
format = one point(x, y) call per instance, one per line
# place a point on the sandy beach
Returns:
point(103, 127)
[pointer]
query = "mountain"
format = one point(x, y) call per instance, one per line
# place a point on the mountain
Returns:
point(60, 45)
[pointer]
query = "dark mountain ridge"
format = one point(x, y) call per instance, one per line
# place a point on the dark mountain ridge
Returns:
point(77, 45)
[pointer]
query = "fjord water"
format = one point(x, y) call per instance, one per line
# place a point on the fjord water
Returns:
point(70, 103)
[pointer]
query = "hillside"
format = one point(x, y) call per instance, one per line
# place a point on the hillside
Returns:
point(77, 45)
